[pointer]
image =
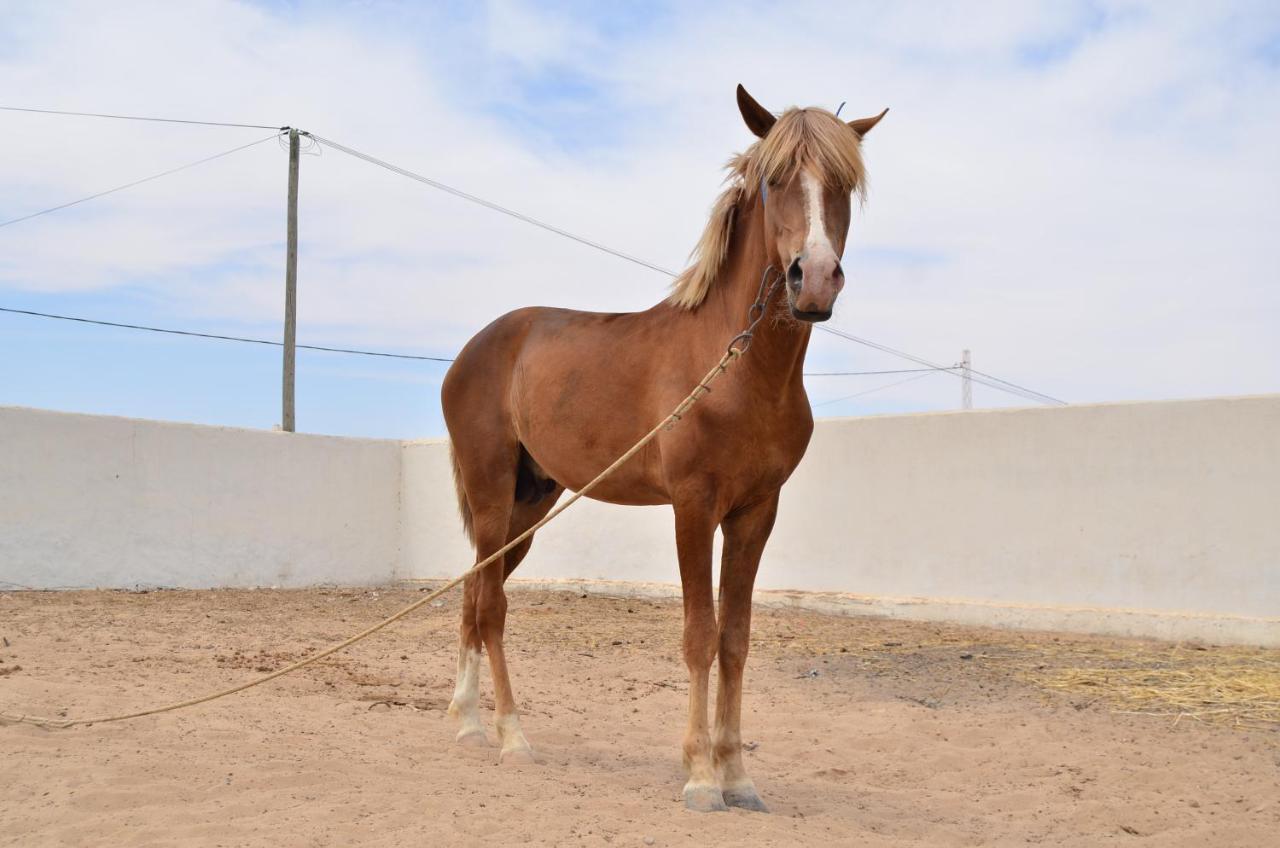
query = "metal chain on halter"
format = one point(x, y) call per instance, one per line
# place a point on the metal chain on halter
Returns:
point(755, 313)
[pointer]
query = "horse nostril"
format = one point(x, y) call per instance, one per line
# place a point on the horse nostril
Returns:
point(794, 275)
point(838, 273)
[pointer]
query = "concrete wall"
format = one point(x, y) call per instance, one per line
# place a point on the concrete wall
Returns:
point(1171, 506)
point(1153, 519)
point(1158, 519)
point(99, 501)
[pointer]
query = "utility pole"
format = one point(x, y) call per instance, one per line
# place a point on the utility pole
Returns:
point(287, 421)
point(966, 381)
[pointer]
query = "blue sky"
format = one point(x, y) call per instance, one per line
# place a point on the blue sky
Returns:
point(1084, 194)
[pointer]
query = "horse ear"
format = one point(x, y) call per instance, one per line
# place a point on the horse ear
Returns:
point(759, 119)
point(862, 126)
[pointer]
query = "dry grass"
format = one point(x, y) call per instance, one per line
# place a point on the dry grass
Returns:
point(1237, 687)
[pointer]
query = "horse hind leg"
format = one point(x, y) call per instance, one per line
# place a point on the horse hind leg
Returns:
point(536, 494)
point(465, 706)
point(498, 516)
point(485, 471)
point(533, 503)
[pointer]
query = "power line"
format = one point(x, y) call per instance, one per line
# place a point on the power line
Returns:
point(929, 372)
point(220, 337)
point(139, 118)
point(1016, 386)
point(489, 204)
point(985, 379)
point(875, 373)
point(386, 354)
point(137, 182)
point(995, 383)
point(1007, 387)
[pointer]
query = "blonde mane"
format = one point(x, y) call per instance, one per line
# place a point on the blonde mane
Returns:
point(812, 139)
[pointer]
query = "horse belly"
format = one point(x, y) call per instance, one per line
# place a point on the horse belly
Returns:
point(574, 456)
point(575, 435)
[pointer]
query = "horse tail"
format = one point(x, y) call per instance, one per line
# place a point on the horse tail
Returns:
point(464, 510)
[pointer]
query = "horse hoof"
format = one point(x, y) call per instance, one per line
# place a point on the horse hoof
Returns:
point(745, 798)
point(704, 799)
point(517, 757)
point(472, 739)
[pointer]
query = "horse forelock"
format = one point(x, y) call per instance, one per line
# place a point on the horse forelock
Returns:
point(812, 140)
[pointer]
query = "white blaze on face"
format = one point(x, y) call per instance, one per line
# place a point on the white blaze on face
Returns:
point(816, 243)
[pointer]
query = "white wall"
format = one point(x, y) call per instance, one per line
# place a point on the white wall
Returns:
point(1138, 518)
point(1172, 505)
point(91, 500)
point(1145, 518)
point(589, 540)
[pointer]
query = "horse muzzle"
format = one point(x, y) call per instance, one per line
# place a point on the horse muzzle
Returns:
point(813, 284)
point(810, 317)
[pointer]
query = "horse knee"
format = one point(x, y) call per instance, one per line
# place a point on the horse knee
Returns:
point(733, 656)
point(733, 649)
point(491, 613)
point(700, 647)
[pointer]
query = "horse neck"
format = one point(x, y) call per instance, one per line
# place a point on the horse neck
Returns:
point(779, 343)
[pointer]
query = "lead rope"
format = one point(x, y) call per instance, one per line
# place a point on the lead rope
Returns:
point(754, 314)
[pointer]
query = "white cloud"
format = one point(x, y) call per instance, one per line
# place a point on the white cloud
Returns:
point(1098, 184)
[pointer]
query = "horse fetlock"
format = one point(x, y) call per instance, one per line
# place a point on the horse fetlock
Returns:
point(466, 711)
point(697, 760)
point(726, 747)
point(515, 748)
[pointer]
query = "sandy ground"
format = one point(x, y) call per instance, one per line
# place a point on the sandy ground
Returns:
point(861, 732)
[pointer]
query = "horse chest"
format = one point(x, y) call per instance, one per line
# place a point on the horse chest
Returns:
point(753, 449)
point(782, 444)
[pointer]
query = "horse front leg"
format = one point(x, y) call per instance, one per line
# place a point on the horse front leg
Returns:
point(745, 533)
point(695, 529)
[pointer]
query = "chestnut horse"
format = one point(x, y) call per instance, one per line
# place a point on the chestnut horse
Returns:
point(542, 399)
